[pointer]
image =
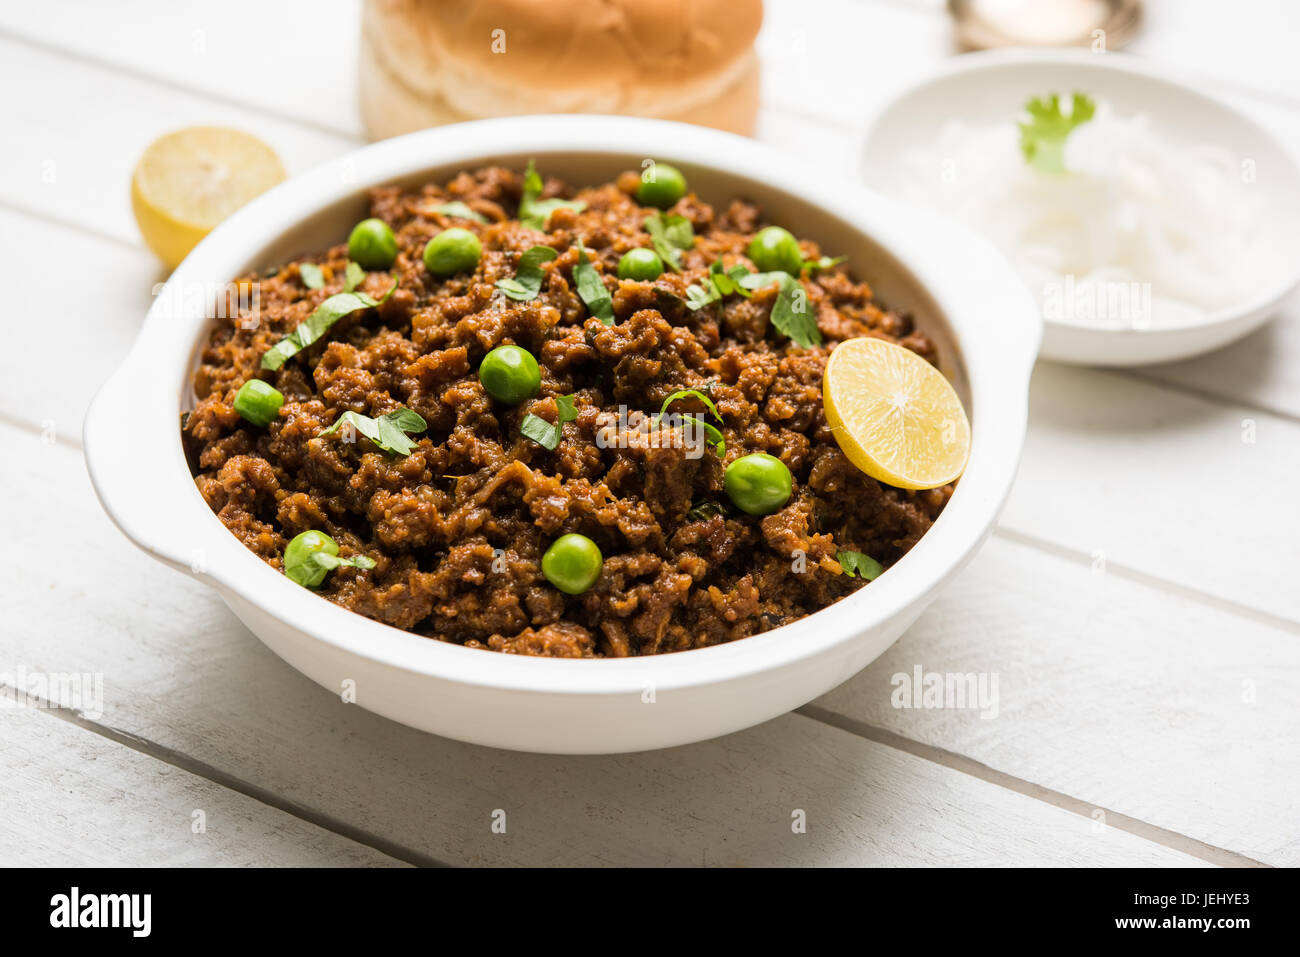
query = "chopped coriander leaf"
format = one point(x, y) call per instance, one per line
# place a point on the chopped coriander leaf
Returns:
point(318, 323)
point(716, 439)
point(697, 297)
point(388, 432)
point(461, 211)
point(533, 210)
point(311, 276)
point(528, 277)
point(540, 431)
point(353, 277)
point(544, 433)
point(703, 510)
point(592, 288)
point(759, 280)
point(687, 393)
point(720, 282)
point(792, 317)
point(825, 262)
point(791, 314)
point(330, 562)
point(1042, 137)
point(670, 235)
point(727, 281)
point(857, 565)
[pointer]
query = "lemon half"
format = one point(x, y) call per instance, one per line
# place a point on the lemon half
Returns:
point(190, 180)
point(894, 415)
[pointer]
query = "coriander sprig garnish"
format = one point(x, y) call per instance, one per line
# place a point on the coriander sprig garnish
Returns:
point(544, 433)
point(388, 432)
point(1042, 137)
point(318, 323)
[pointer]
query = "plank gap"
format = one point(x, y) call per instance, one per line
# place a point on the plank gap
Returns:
point(230, 782)
point(1208, 395)
point(56, 220)
point(956, 762)
point(60, 438)
point(1151, 581)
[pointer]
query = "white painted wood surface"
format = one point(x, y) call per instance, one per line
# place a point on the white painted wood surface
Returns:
point(1138, 604)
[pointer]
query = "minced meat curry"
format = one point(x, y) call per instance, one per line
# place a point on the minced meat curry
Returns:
point(465, 440)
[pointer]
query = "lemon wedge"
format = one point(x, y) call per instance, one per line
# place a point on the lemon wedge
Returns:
point(894, 415)
point(190, 180)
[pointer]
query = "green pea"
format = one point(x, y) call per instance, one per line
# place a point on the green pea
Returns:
point(258, 402)
point(298, 566)
point(640, 264)
point(758, 484)
point(372, 244)
point(666, 186)
point(510, 374)
point(572, 563)
point(775, 250)
point(452, 251)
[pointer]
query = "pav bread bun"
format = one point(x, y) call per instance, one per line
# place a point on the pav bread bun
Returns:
point(428, 62)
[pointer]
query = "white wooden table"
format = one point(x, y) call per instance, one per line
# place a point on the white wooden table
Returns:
point(1139, 602)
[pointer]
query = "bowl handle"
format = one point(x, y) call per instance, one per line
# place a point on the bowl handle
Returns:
point(142, 479)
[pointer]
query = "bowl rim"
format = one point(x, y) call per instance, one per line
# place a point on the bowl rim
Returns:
point(993, 320)
point(1145, 71)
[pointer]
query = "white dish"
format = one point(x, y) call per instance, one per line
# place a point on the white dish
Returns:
point(993, 86)
point(964, 294)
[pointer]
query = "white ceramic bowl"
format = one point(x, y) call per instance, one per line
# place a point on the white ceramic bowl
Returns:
point(964, 294)
point(992, 86)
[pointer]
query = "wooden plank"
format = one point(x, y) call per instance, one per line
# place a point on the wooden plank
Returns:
point(271, 58)
point(80, 172)
point(1168, 484)
point(183, 675)
point(1259, 371)
point(1249, 44)
point(1150, 703)
point(86, 303)
point(73, 798)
